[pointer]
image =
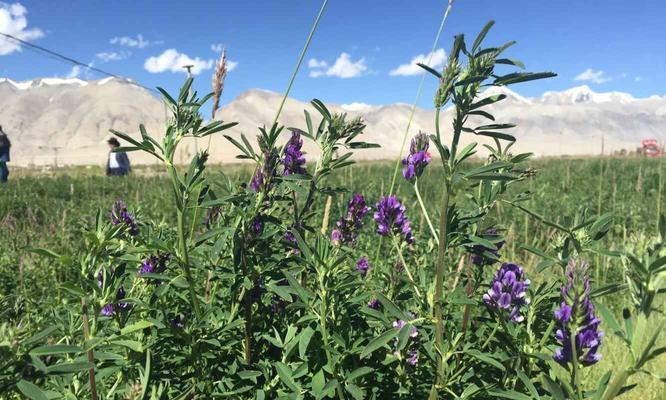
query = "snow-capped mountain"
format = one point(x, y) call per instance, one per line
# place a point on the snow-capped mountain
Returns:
point(69, 120)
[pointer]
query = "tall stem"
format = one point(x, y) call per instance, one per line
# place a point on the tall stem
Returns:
point(575, 376)
point(439, 286)
point(418, 95)
point(425, 212)
point(247, 313)
point(300, 60)
point(406, 267)
point(91, 356)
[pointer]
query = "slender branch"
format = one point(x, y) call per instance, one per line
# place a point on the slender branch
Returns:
point(425, 212)
point(300, 61)
point(404, 264)
point(91, 355)
point(439, 286)
point(418, 95)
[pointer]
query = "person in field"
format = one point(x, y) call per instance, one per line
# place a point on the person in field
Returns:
point(5, 144)
point(118, 163)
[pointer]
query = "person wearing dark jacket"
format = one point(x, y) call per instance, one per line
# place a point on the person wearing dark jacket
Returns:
point(5, 144)
point(118, 163)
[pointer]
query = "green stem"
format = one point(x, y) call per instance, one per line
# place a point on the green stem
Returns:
point(616, 385)
point(418, 96)
point(300, 60)
point(185, 261)
point(425, 212)
point(409, 274)
point(439, 286)
point(575, 376)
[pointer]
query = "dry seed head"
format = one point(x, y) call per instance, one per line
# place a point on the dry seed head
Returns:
point(218, 80)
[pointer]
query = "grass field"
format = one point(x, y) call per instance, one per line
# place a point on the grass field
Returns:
point(46, 210)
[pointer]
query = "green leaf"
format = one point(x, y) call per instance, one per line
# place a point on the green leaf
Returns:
point(518, 77)
point(482, 35)
point(130, 344)
point(136, 327)
point(55, 349)
point(304, 341)
point(432, 71)
point(528, 384)
point(485, 358)
point(508, 394)
point(39, 336)
point(358, 372)
point(379, 341)
point(391, 307)
point(69, 368)
point(355, 391)
point(31, 391)
point(285, 374)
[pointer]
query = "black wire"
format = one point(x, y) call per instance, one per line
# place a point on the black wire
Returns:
point(71, 60)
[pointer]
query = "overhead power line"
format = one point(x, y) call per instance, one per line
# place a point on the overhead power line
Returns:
point(54, 54)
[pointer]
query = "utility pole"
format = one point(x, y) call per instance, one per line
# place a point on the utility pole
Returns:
point(189, 75)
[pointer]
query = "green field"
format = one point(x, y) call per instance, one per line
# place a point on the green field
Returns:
point(40, 210)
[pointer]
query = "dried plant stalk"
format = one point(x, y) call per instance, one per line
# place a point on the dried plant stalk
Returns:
point(218, 80)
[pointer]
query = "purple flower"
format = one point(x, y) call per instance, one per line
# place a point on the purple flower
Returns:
point(107, 310)
point(120, 216)
point(482, 255)
point(110, 309)
point(576, 314)
point(293, 160)
point(362, 266)
point(263, 177)
point(508, 291)
point(374, 304)
point(154, 264)
point(418, 157)
point(257, 225)
point(177, 322)
point(412, 353)
point(413, 357)
point(347, 227)
point(391, 218)
point(399, 324)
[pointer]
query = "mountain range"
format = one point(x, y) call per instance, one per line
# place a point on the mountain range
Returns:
point(67, 121)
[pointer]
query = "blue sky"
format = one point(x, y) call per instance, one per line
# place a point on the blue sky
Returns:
point(607, 44)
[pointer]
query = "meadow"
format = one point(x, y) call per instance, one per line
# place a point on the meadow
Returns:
point(48, 210)
point(308, 278)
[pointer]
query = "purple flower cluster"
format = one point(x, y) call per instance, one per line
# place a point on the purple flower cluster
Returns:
point(391, 218)
point(348, 226)
point(120, 216)
point(508, 291)
point(294, 160)
point(482, 255)
point(111, 308)
point(363, 266)
point(412, 354)
point(576, 314)
point(263, 176)
point(418, 158)
point(155, 264)
point(374, 304)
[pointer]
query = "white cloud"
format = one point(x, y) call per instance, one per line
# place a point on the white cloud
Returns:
point(231, 65)
point(75, 72)
point(344, 67)
point(592, 76)
point(638, 79)
point(172, 60)
point(217, 47)
point(314, 63)
point(437, 59)
point(13, 21)
point(107, 56)
point(81, 72)
point(139, 42)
